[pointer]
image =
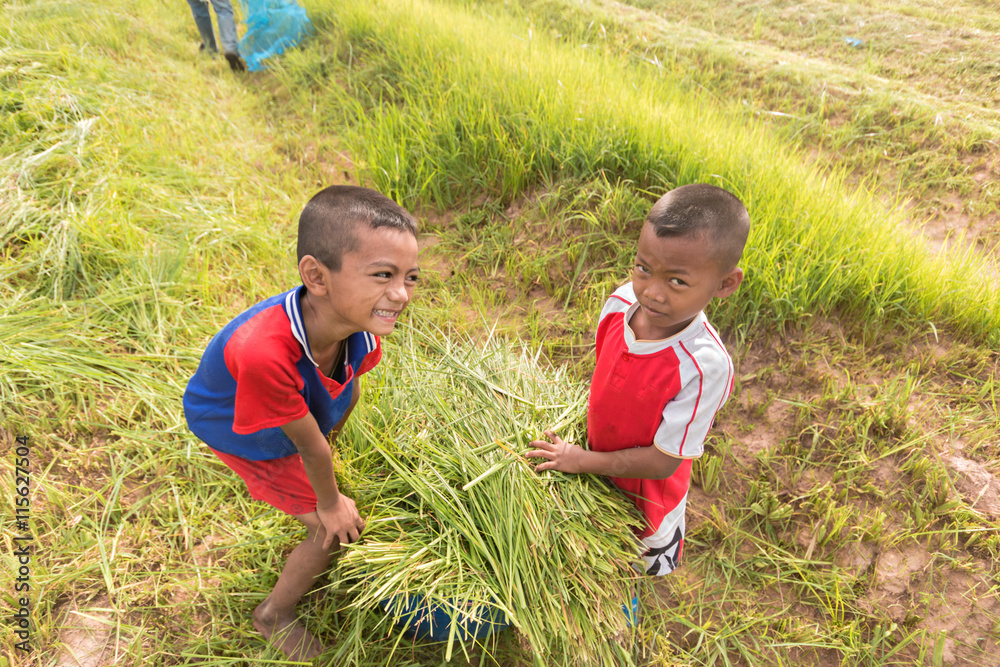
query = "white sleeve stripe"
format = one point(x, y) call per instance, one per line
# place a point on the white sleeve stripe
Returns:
point(731, 371)
point(612, 306)
point(694, 412)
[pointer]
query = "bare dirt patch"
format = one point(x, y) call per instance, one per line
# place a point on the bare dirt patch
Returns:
point(977, 485)
point(759, 418)
point(951, 224)
point(856, 557)
point(86, 634)
point(912, 587)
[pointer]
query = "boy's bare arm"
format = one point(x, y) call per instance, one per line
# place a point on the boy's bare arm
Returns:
point(336, 512)
point(637, 462)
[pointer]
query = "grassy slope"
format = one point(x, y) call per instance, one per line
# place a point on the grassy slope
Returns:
point(912, 110)
point(438, 112)
point(850, 459)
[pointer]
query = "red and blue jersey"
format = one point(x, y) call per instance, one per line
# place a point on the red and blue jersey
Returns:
point(258, 374)
point(656, 393)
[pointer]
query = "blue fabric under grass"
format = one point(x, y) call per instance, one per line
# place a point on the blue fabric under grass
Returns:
point(632, 615)
point(420, 619)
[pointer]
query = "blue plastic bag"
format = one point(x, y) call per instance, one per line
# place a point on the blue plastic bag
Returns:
point(424, 620)
point(272, 27)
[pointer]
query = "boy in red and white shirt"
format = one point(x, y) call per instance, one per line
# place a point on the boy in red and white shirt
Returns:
point(662, 373)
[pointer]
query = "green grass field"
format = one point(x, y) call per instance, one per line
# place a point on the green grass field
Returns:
point(847, 511)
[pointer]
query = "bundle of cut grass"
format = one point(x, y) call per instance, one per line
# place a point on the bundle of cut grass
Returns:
point(461, 519)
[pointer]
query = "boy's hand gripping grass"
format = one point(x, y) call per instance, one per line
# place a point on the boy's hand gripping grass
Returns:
point(636, 462)
point(558, 454)
point(341, 521)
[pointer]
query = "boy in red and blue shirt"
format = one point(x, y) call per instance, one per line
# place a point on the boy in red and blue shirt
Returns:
point(277, 384)
point(662, 372)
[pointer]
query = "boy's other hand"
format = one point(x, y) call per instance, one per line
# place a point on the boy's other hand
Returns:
point(342, 521)
point(558, 454)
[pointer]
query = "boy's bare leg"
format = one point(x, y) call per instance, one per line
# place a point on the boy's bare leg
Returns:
point(275, 617)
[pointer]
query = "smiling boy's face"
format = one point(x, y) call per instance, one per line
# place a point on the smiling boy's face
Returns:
point(374, 284)
point(674, 278)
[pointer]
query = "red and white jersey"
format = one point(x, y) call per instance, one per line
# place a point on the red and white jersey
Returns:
point(656, 393)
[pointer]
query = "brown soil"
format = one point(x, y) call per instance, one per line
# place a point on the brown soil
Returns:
point(86, 634)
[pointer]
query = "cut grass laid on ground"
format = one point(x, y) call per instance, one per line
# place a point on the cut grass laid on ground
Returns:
point(460, 516)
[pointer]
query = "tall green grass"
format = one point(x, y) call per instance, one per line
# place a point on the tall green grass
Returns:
point(118, 219)
point(440, 102)
point(899, 114)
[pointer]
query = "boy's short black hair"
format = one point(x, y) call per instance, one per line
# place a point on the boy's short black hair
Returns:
point(706, 211)
point(329, 222)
